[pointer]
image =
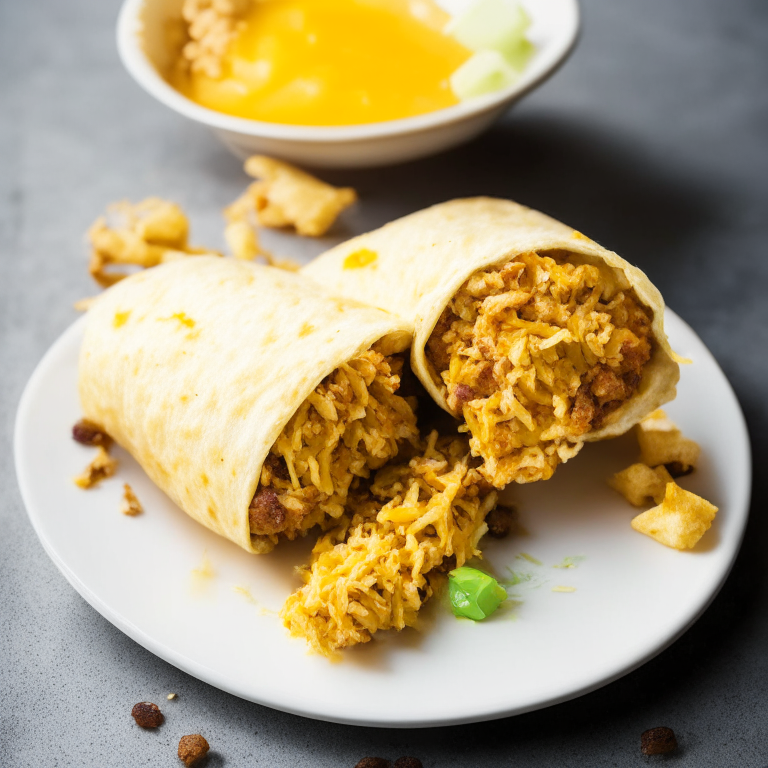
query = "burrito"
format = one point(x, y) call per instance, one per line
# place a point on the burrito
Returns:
point(536, 336)
point(253, 398)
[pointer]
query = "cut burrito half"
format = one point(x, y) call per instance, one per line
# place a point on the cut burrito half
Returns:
point(252, 397)
point(535, 335)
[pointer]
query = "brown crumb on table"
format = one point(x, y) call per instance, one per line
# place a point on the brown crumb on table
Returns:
point(147, 715)
point(373, 762)
point(408, 762)
point(192, 748)
point(658, 741)
point(131, 506)
point(102, 467)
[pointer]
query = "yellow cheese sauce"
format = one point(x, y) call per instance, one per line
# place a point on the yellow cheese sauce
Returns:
point(333, 62)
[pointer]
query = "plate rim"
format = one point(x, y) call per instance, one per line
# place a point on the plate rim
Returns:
point(210, 676)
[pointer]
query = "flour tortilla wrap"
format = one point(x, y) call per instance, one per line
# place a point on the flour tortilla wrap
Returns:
point(415, 265)
point(196, 366)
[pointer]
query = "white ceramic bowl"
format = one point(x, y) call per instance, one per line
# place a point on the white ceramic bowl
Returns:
point(142, 48)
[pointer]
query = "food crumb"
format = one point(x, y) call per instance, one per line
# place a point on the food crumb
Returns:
point(171, 696)
point(563, 589)
point(286, 196)
point(658, 741)
point(373, 762)
point(192, 748)
point(88, 432)
point(500, 521)
point(131, 506)
point(83, 305)
point(147, 715)
point(100, 468)
point(408, 762)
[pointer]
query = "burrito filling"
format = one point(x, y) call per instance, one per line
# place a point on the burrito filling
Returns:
point(383, 560)
point(534, 354)
point(352, 424)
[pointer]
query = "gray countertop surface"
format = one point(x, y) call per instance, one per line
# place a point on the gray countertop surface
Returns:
point(653, 139)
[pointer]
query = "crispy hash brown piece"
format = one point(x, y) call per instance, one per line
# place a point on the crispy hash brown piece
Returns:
point(286, 196)
point(130, 505)
point(351, 425)
point(146, 234)
point(535, 354)
point(679, 521)
point(376, 569)
point(661, 442)
point(638, 482)
point(102, 467)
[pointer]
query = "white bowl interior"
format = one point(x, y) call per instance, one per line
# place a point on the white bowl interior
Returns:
point(142, 43)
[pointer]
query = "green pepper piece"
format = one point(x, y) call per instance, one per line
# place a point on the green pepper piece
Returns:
point(474, 594)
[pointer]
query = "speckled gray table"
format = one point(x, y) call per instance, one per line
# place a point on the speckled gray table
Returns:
point(652, 140)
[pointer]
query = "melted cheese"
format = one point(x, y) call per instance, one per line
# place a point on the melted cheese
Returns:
point(332, 62)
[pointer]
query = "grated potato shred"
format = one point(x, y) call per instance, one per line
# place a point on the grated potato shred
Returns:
point(352, 424)
point(377, 568)
point(534, 354)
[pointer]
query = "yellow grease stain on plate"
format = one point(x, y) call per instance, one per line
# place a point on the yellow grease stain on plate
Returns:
point(202, 577)
point(570, 562)
point(246, 593)
point(563, 589)
point(359, 259)
point(121, 318)
point(529, 558)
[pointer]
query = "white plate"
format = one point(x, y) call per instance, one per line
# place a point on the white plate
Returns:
point(633, 596)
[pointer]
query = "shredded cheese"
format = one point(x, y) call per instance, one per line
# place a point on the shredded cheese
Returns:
point(376, 569)
point(352, 424)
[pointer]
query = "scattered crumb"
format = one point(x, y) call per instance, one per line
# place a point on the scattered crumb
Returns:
point(408, 762)
point(571, 562)
point(658, 741)
point(679, 521)
point(501, 521)
point(131, 506)
point(171, 696)
point(88, 432)
point(373, 762)
point(529, 558)
point(144, 234)
point(192, 748)
point(147, 715)
point(639, 482)
point(563, 589)
point(83, 305)
point(286, 196)
point(100, 468)
point(661, 442)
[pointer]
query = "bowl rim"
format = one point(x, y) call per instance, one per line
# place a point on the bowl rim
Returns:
point(139, 66)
